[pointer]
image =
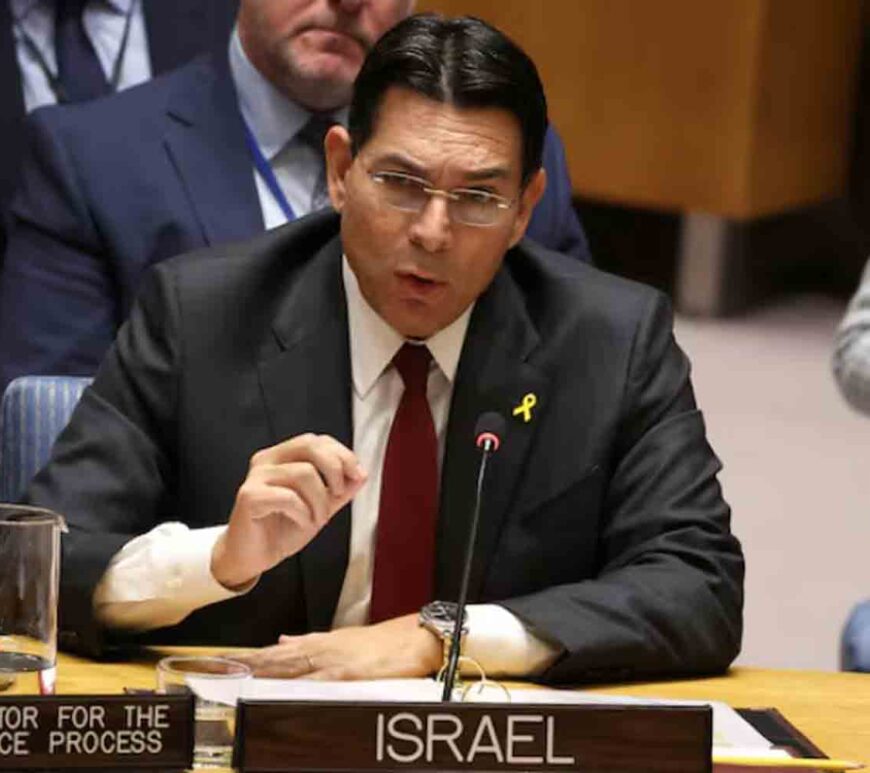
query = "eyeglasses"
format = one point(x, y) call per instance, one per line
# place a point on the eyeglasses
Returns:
point(464, 205)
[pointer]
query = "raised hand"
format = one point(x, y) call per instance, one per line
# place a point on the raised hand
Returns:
point(290, 493)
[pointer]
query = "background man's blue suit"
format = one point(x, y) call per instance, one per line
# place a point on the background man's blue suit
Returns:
point(114, 186)
point(177, 31)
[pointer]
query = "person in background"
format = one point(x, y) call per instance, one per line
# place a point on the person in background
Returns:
point(74, 50)
point(851, 361)
point(215, 152)
point(279, 448)
point(851, 364)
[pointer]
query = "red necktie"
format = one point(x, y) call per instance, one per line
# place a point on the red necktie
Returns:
point(405, 545)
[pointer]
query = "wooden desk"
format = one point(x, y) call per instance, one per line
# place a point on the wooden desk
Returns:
point(831, 709)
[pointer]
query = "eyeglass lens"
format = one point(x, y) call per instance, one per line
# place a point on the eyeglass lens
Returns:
point(412, 195)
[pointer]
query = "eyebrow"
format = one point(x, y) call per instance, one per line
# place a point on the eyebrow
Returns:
point(476, 175)
point(489, 173)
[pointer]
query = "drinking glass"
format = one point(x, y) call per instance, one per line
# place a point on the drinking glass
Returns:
point(29, 577)
point(217, 684)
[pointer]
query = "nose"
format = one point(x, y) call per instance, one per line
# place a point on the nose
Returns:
point(431, 229)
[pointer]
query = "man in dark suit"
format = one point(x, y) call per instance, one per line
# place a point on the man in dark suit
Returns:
point(113, 187)
point(173, 34)
point(281, 440)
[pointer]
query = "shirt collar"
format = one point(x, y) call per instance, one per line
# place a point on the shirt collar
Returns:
point(21, 8)
point(273, 119)
point(373, 343)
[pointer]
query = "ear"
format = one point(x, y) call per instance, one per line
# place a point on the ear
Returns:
point(339, 160)
point(529, 197)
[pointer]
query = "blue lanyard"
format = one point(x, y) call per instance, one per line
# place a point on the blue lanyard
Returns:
point(264, 169)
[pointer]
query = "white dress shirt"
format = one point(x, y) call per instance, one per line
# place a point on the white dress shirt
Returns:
point(104, 22)
point(159, 578)
point(275, 122)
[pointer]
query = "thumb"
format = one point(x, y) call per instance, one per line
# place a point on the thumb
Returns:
point(351, 490)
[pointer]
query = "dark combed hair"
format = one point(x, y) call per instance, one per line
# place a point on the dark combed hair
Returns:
point(458, 61)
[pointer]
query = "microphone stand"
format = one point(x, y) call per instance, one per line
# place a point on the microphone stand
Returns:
point(453, 657)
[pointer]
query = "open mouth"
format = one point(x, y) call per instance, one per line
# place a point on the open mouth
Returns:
point(419, 283)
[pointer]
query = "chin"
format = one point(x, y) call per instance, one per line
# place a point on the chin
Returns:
point(412, 328)
point(417, 328)
point(338, 66)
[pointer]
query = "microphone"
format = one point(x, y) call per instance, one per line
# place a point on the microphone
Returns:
point(488, 433)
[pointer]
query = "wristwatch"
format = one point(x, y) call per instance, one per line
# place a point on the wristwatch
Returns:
point(439, 617)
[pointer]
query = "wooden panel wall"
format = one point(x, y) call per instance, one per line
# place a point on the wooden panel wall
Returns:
point(736, 107)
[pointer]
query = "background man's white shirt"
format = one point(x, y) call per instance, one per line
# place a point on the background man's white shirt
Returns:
point(275, 123)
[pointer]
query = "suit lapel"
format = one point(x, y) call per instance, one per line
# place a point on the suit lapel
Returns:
point(494, 375)
point(205, 142)
point(306, 387)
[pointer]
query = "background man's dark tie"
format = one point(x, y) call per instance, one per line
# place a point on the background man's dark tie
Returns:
point(312, 134)
point(405, 545)
point(79, 72)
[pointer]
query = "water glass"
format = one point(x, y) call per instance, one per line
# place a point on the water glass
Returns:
point(29, 578)
point(217, 684)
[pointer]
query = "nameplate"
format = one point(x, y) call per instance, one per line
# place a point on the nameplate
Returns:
point(93, 732)
point(313, 736)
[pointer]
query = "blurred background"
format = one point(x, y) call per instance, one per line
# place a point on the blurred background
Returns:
point(721, 151)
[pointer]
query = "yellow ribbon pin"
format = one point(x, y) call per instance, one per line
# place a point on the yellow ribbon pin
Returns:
point(524, 409)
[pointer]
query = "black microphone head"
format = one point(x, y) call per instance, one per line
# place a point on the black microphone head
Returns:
point(489, 430)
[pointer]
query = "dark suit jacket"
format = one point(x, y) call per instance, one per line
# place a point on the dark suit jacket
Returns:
point(177, 31)
point(112, 187)
point(603, 525)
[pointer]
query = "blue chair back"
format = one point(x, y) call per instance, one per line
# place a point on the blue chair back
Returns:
point(34, 411)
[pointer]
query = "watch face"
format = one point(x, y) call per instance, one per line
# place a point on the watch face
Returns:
point(440, 611)
point(440, 618)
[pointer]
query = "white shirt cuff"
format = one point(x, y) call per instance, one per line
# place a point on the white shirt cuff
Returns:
point(502, 645)
point(159, 578)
